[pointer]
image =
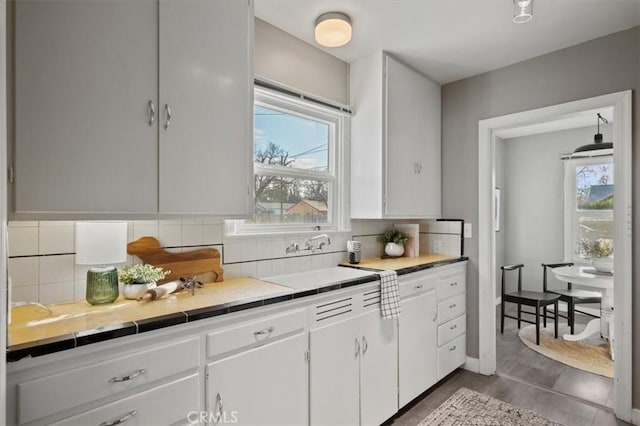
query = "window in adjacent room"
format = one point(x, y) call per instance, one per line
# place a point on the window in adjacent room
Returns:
point(589, 197)
point(299, 166)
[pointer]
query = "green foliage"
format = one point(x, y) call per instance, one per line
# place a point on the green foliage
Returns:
point(393, 236)
point(606, 204)
point(602, 247)
point(141, 274)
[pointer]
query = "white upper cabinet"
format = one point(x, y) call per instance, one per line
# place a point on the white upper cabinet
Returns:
point(395, 140)
point(133, 107)
point(207, 85)
point(85, 72)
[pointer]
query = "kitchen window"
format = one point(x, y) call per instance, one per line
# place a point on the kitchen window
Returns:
point(300, 166)
point(589, 197)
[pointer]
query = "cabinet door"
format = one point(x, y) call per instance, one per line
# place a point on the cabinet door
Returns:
point(378, 368)
point(206, 82)
point(264, 385)
point(412, 143)
point(334, 373)
point(85, 72)
point(417, 353)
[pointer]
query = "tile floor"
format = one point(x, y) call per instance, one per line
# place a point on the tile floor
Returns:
point(528, 380)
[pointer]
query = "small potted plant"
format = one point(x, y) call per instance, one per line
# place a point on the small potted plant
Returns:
point(394, 242)
point(138, 278)
point(600, 252)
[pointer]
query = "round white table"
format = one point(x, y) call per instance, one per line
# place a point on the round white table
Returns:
point(587, 276)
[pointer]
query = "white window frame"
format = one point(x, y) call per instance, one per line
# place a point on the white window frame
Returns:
point(571, 214)
point(338, 161)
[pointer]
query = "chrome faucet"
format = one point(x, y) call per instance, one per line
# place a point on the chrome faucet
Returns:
point(309, 245)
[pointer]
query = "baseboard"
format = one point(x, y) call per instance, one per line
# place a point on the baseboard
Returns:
point(472, 364)
point(635, 416)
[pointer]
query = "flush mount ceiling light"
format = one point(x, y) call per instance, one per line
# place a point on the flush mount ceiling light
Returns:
point(597, 139)
point(333, 29)
point(522, 11)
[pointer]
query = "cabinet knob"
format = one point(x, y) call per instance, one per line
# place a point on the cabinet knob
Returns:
point(127, 378)
point(120, 420)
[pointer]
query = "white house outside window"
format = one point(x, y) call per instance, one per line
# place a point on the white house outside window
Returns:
point(588, 189)
point(300, 157)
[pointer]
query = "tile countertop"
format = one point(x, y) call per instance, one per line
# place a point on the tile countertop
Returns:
point(406, 265)
point(34, 331)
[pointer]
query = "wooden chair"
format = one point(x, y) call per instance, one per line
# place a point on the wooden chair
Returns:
point(570, 296)
point(535, 299)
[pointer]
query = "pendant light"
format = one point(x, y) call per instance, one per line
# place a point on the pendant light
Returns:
point(522, 11)
point(333, 29)
point(597, 139)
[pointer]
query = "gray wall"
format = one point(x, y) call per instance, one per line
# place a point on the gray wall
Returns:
point(281, 57)
point(533, 213)
point(604, 65)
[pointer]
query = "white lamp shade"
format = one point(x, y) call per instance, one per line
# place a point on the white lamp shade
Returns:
point(101, 243)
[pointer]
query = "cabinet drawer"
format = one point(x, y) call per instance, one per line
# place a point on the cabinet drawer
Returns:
point(452, 329)
point(177, 402)
point(417, 286)
point(452, 356)
point(451, 308)
point(52, 394)
point(451, 284)
point(263, 330)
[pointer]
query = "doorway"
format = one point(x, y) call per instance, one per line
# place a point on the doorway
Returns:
point(620, 105)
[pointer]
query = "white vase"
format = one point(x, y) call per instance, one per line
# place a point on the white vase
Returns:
point(393, 249)
point(134, 291)
point(603, 264)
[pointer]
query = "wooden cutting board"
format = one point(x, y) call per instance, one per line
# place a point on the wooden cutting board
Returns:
point(200, 262)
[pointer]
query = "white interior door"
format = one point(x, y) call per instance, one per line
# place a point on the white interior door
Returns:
point(206, 86)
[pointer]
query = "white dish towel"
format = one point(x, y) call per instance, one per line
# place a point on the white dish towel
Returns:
point(389, 294)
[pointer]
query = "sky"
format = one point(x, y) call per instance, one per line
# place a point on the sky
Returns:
point(305, 140)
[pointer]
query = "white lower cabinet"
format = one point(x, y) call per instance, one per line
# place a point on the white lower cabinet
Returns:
point(266, 385)
point(353, 370)
point(417, 363)
point(173, 403)
point(452, 302)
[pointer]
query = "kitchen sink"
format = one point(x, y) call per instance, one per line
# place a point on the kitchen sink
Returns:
point(318, 278)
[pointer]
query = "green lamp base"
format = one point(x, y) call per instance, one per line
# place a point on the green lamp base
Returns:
point(102, 285)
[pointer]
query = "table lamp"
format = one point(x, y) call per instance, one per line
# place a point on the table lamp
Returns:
point(101, 244)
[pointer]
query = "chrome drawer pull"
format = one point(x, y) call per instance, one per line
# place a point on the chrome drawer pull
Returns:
point(365, 345)
point(152, 113)
point(357, 348)
point(453, 348)
point(168, 122)
point(120, 420)
point(418, 287)
point(435, 314)
point(220, 406)
point(127, 378)
point(453, 327)
point(266, 331)
point(454, 284)
point(452, 306)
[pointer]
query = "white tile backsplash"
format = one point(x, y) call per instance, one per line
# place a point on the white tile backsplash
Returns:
point(23, 240)
point(23, 271)
point(56, 238)
point(56, 268)
point(47, 275)
point(56, 292)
